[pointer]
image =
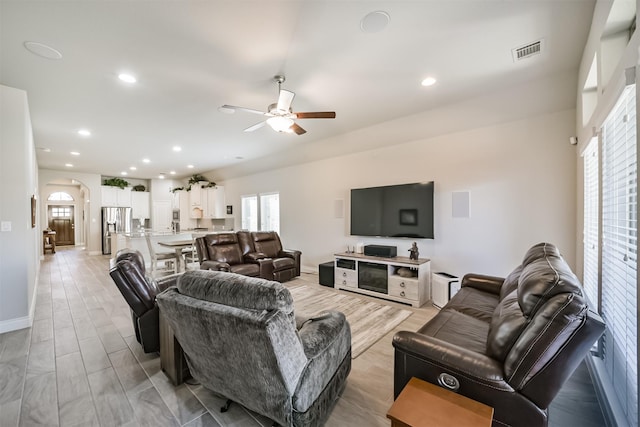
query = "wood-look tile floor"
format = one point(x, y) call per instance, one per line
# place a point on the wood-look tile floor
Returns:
point(80, 365)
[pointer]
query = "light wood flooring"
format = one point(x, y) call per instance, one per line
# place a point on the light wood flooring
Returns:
point(80, 365)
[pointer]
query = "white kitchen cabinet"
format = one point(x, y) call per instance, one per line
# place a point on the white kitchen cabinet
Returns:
point(140, 204)
point(214, 202)
point(114, 196)
point(181, 203)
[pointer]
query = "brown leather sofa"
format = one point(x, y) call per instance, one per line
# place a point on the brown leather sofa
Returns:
point(139, 290)
point(509, 343)
point(286, 263)
point(221, 252)
point(255, 254)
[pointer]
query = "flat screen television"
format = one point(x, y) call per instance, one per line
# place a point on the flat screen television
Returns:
point(404, 210)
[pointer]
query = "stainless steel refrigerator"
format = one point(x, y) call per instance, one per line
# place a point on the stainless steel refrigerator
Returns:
point(114, 220)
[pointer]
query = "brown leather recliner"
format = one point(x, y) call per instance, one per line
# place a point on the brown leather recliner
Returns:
point(139, 290)
point(221, 252)
point(286, 263)
point(509, 343)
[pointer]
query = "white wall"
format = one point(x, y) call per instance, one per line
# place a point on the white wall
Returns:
point(19, 176)
point(521, 176)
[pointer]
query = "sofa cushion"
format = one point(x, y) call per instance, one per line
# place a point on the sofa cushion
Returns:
point(267, 242)
point(506, 325)
point(474, 303)
point(283, 264)
point(236, 290)
point(458, 328)
point(542, 279)
point(510, 282)
point(251, 270)
point(541, 250)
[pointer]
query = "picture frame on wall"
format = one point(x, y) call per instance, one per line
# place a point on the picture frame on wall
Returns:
point(33, 211)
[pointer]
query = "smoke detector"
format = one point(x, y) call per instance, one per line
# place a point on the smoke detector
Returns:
point(528, 50)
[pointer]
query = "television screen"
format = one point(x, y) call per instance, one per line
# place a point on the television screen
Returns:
point(404, 210)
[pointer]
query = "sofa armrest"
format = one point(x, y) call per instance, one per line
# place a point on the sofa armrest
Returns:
point(426, 357)
point(491, 284)
point(319, 332)
point(253, 257)
point(265, 268)
point(326, 341)
point(168, 281)
point(295, 255)
point(214, 265)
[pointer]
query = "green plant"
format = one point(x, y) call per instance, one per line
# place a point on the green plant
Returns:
point(116, 182)
point(139, 187)
point(210, 184)
point(197, 178)
point(173, 190)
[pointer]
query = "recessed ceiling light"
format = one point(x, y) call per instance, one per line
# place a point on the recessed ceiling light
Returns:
point(42, 50)
point(123, 173)
point(429, 81)
point(75, 153)
point(190, 166)
point(84, 132)
point(132, 168)
point(146, 161)
point(161, 176)
point(177, 149)
point(172, 172)
point(69, 165)
point(375, 22)
point(127, 78)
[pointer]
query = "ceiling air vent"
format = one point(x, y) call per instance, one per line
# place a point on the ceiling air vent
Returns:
point(527, 51)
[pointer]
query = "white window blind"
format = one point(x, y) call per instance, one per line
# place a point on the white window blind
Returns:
point(270, 212)
point(591, 215)
point(261, 212)
point(249, 213)
point(619, 252)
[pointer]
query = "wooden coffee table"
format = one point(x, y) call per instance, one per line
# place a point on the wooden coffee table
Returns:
point(421, 404)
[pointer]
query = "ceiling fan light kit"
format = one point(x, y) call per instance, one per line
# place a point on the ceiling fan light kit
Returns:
point(280, 116)
point(280, 124)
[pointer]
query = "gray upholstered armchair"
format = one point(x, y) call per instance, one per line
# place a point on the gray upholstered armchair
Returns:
point(242, 340)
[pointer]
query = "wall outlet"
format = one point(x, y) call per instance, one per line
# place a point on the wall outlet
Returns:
point(5, 226)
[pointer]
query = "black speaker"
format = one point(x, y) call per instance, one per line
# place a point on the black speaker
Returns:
point(381, 251)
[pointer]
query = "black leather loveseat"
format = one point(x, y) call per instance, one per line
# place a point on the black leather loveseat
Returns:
point(508, 343)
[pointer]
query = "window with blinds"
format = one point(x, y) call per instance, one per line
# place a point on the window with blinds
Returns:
point(619, 251)
point(591, 244)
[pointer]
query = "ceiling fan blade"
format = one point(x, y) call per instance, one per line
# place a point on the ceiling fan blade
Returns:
point(255, 127)
point(285, 99)
point(232, 108)
point(297, 129)
point(317, 115)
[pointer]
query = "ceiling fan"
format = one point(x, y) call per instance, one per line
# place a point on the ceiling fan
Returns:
point(280, 116)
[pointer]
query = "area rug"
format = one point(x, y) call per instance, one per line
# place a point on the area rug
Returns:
point(369, 320)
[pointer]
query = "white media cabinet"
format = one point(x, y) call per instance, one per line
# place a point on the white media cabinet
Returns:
point(409, 290)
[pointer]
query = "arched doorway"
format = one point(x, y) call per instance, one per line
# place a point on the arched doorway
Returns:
point(64, 211)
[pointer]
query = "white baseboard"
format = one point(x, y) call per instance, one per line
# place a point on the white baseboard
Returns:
point(15, 324)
